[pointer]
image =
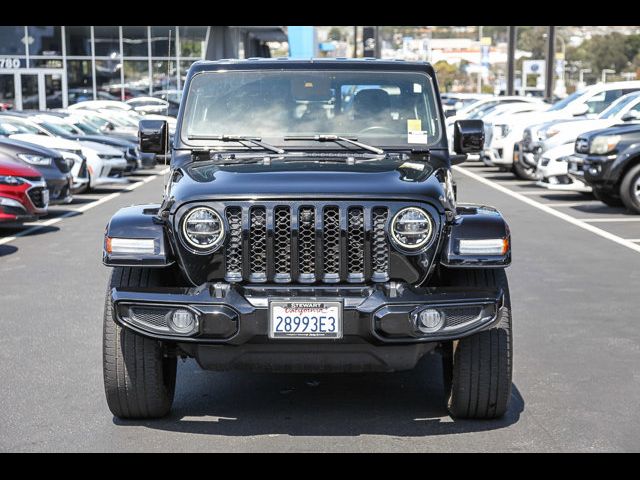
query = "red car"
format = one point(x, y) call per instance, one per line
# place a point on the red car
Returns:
point(23, 193)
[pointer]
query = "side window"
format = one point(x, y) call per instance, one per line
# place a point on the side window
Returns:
point(602, 100)
point(634, 112)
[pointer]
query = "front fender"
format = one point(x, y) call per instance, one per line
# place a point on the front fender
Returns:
point(138, 222)
point(476, 222)
point(619, 165)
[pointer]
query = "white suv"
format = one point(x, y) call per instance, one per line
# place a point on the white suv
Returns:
point(502, 149)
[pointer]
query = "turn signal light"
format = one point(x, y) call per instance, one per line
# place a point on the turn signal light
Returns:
point(130, 246)
point(491, 246)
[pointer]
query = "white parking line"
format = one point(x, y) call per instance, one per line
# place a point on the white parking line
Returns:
point(549, 210)
point(622, 219)
point(548, 192)
point(633, 239)
point(573, 204)
point(83, 208)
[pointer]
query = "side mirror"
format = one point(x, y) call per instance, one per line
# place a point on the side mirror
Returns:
point(153, 136)
point(630, 116)
point(449, 113)
point(579, 109)
point(468, 136)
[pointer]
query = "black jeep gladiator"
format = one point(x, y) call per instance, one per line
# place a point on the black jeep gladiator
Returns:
point(308, 224)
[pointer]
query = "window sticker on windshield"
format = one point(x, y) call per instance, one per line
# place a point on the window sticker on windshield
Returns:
point(417, 88)
point(415, 134)
point(414, 125)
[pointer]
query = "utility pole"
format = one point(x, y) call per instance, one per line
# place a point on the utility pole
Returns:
point(377, 42)
point(355, 42)
point(511, 59)
point(480, 64)
point(551, 49)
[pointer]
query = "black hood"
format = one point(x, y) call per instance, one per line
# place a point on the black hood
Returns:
point(393, 178)
point(621, 129)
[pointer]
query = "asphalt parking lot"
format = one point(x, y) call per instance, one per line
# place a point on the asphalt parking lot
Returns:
point(576, 339)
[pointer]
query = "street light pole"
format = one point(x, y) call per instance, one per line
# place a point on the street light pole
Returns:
point(355, 41)
point(480, 63)
point(551, 48)
point(511, 56)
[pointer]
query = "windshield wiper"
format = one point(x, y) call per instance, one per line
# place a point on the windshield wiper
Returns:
point(336, 139)
point(238, 138)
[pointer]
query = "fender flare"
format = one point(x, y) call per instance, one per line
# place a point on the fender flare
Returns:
point(476, 222)
point(137, 222)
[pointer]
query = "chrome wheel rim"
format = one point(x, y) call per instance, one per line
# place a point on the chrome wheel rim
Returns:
point(636, 188)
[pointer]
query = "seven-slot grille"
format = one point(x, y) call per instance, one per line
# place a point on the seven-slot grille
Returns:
point(302, 243)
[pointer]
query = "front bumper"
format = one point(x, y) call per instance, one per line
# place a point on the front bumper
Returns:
point(60, 190)
point(233, 323)
point(553, 174)
point(592, 170)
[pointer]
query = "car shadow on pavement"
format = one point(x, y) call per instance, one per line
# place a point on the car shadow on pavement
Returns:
point(9, 232)
point(601, 209)
point(403, 404)
point(7, 250)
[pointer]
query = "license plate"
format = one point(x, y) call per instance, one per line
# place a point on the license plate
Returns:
point(45, 196)
point(300, 319)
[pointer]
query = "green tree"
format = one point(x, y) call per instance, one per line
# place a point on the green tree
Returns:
point(532, 39)
point(335, 34)
point(448, 75)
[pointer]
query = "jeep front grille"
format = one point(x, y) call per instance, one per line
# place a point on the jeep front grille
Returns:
point(302, 243)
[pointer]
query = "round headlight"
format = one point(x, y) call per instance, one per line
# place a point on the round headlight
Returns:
point(411, 228)
point(203, 228)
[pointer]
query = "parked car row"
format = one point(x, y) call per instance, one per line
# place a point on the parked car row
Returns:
point(46, 157)
point(585, 142)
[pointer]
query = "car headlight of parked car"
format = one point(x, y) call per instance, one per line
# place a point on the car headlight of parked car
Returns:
point(10, 180)
point(501, 131)
point(203, 229)
point(550, 132)
point(604, 144)
point(411, 228)
point(35, 159)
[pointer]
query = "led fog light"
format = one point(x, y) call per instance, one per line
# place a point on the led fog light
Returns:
point(183, 321)
point(429, 320)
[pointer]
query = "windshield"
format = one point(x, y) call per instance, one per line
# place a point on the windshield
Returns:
point(120, 121)
point(381, 108)
point(58, 129)
point(563, 103)
point(482, 112)
point(14, 125)
point(616, 107)
point(87, 127)
point(473, 108)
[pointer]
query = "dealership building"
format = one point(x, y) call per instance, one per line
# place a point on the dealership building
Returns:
point(45, 67)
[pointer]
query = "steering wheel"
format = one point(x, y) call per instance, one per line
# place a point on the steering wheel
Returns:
point(376, 128)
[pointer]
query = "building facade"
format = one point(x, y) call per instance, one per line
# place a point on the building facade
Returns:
point(45, 67)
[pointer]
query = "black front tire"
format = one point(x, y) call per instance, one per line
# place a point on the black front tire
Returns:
point(478, 369)
point(139, 375)
point(607, 198)
point(630, 190)
point(524, 172)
